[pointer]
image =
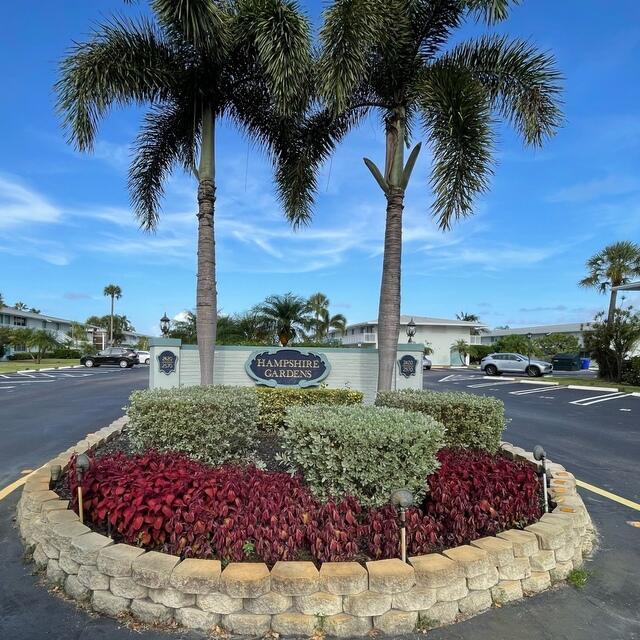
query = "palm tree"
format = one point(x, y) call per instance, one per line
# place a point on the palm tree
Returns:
point(462, 349)
point(195, 63)
point(328, 322)
point(20, 306)
point(287, 316)
point(318, 304)
point(114, 292)
point(615, 265)
point(390, 57)
point(467, 317)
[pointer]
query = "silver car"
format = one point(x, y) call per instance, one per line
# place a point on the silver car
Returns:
point(497, 363)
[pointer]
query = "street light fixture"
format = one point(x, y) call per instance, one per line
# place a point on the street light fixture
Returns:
point(411, 330)
point(529, 336)
point(402, 499)
point(165, 322)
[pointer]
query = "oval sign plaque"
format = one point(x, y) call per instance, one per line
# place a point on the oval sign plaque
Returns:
point(287, 367)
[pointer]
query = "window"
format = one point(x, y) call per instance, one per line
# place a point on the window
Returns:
point(19, 321)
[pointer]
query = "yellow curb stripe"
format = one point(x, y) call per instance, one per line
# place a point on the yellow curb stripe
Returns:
point(607, 494)
point(10, 488)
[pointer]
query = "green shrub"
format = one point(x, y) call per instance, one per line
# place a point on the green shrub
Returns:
point(21, 355)
point(274, 402)
point(475, 422)
point(360, 451)
point(64, 352)
point(214, 424)
point(631, 371)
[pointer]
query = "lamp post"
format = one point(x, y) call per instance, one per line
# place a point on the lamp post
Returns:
point(165, 322)
point(411, 330)
point(529, 336)
point(540, 455)
point(402, 499)
point(83, 463)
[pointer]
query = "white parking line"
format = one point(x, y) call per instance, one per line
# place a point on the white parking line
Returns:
point(526, 392)
point(4, 388)
point(495, 383)
point(25, 381)
point(585, 402)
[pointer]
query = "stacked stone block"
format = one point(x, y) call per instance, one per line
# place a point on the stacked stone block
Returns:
point(343, 599)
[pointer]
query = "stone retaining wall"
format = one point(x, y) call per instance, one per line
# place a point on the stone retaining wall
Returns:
point(341, 599)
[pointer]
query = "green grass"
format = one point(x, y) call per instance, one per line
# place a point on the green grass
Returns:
point(592, 382)
point(578, 578)
point(21, 365)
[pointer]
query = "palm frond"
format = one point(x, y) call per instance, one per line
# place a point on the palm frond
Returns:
point(491, 11)
point(123, 62)
point(278, 35)
point(169, 136)
point(202, 23)
point(457, 117)
point(523, 83)
point(351, 30)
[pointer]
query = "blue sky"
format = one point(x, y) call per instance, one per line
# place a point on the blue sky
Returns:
point(66, 229)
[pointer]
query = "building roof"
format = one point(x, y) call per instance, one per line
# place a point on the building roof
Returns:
point(632, 286)
point(570, 327)
point(425, 321)
point(23, 313)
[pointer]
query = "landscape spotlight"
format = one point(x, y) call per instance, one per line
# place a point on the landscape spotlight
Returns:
point(83, 463)
point(56, 472)
point(540, 455)
point(411, 330)
point(164, 324)
point(402, 499)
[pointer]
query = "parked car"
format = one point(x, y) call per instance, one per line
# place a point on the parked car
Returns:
point(122, 356)
point(426, 363)
point(144, 357)
point(497, 363)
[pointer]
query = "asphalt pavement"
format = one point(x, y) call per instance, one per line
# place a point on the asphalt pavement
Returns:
point(598, 442)
point(43, 413)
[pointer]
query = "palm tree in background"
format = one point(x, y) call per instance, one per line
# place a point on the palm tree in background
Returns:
point(467, 317)
point(323, 321)
point(114, 292)
point(390, 58)
point(287, 316)
point(615, 265)
point(461, 347)
point(195, 63)
point(20, 306)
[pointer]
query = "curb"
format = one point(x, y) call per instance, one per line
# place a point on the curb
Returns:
point(587, 388)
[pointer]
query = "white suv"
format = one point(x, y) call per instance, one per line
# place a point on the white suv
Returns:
point(496, 363)
point(144, 357)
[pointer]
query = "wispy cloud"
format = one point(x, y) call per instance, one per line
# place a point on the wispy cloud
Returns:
point(21, 205)
point(610, 186)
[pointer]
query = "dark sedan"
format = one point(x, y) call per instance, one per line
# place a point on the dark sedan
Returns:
point(121, 356)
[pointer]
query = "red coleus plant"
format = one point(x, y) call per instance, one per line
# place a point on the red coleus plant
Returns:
point(172, 503)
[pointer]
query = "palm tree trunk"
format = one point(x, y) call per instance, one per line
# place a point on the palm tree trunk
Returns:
point(389, 307)
point(206, 296)
point(612, 306)
point(111, 323)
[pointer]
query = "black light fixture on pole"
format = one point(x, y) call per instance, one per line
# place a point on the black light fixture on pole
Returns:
point(540, 455)
point(411, 330)
point(165, 322)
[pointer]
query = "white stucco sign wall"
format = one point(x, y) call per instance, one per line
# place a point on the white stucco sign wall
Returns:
point(337, 368)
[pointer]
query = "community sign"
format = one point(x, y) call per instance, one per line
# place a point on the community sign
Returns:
point(287, 367)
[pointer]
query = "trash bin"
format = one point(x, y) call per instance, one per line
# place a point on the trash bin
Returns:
point(585, 363)
point(566, 362)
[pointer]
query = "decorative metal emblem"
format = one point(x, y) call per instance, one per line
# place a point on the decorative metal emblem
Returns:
point(167, 362)
point(408, 366)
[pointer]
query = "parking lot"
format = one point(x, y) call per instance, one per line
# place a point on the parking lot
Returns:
point(28, 380)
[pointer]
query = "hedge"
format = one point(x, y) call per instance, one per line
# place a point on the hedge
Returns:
point(361, 451)
point(471, 421)
point(274, 402)
point(214, 424)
